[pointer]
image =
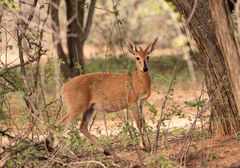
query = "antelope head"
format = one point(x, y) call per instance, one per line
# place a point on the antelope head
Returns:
point(142, 55)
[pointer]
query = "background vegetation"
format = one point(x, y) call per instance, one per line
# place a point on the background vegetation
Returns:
point(43, 44)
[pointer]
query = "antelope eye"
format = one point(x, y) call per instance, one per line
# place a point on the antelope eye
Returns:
point(138, 58)
point(147, 57)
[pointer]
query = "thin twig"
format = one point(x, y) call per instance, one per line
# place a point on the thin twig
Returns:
point(200, 111)
point(192, 12)
point(4, 133)
point(170, 88)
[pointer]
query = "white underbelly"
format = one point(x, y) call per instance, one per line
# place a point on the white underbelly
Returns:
point(101, 108)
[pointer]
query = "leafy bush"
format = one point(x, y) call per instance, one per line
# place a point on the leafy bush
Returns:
point(161, 161)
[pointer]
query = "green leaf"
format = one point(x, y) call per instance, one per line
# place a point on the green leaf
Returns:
point(179, 41)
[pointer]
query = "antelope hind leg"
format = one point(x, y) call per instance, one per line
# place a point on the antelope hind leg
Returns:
point(87, 115)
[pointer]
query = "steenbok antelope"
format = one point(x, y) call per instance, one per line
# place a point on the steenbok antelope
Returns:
point(109, 92)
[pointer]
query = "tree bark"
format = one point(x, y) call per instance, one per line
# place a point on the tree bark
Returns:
point(64, 64)
point(1, 15)
point(228, 44)
point(75, 17)
point(77, 33)
point(209, 33)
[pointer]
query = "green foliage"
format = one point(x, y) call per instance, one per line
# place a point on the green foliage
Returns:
point(165, 63)
point(149, 130)
point(152, 108)
point(57, 128)
point(214, 156)
point(24, 152)
point(180, 41)
point(161, 161)
point(178, 131)
point(105, 140)
point(75, 142)
point(200, 134)
point(161, 67)
point(178, 112)
point(237, 138)
point(14, 77)
point(196, 103)
point(3, 114)
point(78, 67)
point(125, 129)
point(112, 64)
point(49, 72)
point(10, 5)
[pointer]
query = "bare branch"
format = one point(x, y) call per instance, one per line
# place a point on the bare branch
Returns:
point(30, 16)
point(192, 12)
point(4, 133)
point(54, 7)
point(5, 70)
point(89, 19)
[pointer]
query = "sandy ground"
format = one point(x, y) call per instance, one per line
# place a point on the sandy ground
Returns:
point(218, 152)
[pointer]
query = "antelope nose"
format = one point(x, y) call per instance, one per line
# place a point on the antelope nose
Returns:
point(145, 69)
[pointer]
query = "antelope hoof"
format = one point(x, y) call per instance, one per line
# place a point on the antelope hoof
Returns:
point(55, 144)
point(49, 145)
point(107, 152)
point(146, 149)
point(104, 150)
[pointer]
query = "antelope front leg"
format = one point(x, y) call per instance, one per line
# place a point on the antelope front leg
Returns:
point(140, 121)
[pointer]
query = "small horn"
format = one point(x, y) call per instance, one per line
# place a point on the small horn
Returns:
point(136, 49)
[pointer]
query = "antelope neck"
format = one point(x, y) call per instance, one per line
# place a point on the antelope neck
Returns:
point(143, 77)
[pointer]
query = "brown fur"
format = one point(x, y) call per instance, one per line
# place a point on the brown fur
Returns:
point(108, 92)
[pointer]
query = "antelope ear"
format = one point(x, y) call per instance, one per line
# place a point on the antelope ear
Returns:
point(131, 47)
point(151, 46)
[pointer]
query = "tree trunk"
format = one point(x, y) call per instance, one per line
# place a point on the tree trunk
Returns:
point(77, 33)
point(228, 43)
point(209, 32)
point(75, 16)
point(1, 14)
point(64, 65)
